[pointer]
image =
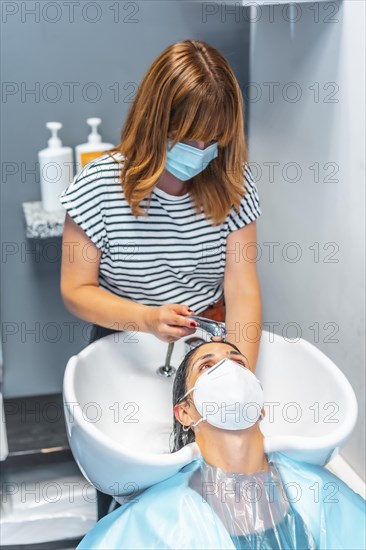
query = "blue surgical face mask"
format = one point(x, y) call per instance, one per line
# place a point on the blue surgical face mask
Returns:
point(185, 161)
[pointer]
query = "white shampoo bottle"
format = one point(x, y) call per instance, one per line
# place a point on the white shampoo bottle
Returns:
point(56, 169)
point(94, 148)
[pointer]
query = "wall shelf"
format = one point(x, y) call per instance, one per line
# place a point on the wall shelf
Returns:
point(41, 224)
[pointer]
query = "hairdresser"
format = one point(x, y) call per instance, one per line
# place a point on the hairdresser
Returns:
point(163, 227)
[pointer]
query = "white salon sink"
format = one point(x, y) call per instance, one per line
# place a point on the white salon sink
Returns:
point(119, 411)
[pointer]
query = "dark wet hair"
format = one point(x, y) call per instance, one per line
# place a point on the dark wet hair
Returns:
point(179, 437)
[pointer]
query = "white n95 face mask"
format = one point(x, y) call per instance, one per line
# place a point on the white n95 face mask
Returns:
point(228, 396)
point(185, 161)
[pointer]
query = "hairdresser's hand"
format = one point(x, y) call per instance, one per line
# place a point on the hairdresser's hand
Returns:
point(169, 322)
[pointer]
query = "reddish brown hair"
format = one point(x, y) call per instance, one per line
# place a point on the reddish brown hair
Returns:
point(188, 93)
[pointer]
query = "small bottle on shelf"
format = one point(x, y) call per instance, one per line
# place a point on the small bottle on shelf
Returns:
point(56, 169)
point(94, 147)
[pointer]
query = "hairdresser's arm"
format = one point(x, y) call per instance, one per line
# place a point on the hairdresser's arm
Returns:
point(242, 293)
point(80, 289)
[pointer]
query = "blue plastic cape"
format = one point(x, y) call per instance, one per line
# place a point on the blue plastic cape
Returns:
point(305, 507)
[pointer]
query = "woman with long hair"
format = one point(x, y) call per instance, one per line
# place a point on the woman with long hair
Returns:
point(234, 495)
point(163, 226)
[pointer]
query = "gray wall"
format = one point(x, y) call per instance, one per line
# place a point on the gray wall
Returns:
point(40, 52)
point(324, 295)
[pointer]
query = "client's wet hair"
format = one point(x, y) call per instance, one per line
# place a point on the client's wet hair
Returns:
point(180, 437)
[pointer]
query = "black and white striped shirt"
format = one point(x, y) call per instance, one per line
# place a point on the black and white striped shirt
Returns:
point(172, 256)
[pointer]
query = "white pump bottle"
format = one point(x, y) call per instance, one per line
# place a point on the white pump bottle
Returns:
point(94, 148)
point(56, 169)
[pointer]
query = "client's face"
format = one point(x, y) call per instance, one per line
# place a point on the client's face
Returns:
point(204, 358)
point(207, 356)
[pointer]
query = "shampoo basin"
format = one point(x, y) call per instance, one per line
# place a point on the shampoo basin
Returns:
point(119, 416)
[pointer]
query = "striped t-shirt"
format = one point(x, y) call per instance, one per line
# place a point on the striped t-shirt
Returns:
point(172, 256)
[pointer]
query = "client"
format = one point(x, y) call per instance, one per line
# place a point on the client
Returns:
point(233, 496)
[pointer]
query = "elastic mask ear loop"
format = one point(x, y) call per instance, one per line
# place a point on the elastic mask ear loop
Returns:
point(192, 424)
point(185, 395)
point(186, 428)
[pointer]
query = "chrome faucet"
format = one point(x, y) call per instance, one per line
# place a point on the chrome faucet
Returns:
point(215, 328)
